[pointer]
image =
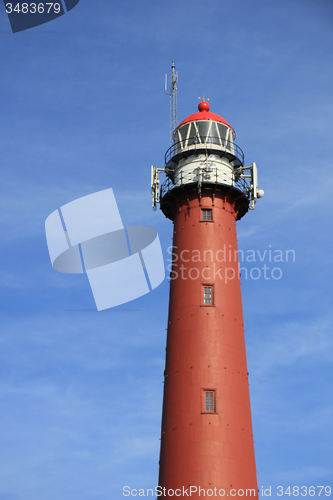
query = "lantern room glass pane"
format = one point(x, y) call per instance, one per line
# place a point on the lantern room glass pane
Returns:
point(223, 130)
point(203, 128)
point(194, 138)
point(214, 136)
point(183, 133)
point(208, 132)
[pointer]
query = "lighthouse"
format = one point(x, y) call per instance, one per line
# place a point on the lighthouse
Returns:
point(207, 446)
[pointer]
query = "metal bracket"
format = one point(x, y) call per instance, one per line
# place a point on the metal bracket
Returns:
point(155, 182)
point(254, 192)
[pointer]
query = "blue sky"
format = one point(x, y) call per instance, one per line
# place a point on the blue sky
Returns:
point(83, 109)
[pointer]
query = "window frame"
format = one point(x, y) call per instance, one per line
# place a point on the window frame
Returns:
point(202, 294)
point(204, 391)
point(203, 209)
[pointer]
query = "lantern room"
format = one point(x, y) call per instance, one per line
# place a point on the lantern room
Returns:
point(205, 132)
point(203, 150)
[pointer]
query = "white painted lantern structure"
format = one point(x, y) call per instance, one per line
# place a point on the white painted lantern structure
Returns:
point(204, 150)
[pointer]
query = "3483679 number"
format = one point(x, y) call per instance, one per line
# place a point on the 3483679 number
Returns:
point(33, 8)
point(304, 491)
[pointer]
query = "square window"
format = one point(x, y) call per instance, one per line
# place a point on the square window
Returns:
point(208, 401)
point(206, 214)
point(207, 295)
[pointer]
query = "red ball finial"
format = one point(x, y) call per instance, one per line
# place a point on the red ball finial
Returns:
point(203, 106)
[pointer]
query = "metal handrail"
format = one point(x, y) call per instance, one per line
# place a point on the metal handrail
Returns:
point(198, 178)
point(204, 142)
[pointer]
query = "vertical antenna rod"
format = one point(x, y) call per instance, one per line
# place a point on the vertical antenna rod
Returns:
point(173, 100)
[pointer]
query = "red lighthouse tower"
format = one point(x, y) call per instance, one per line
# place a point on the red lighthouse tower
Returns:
point(206, 442)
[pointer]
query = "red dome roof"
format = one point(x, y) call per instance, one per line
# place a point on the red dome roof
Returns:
point(204, 114)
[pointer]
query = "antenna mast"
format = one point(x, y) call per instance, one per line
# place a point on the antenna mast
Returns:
point(173, 100)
